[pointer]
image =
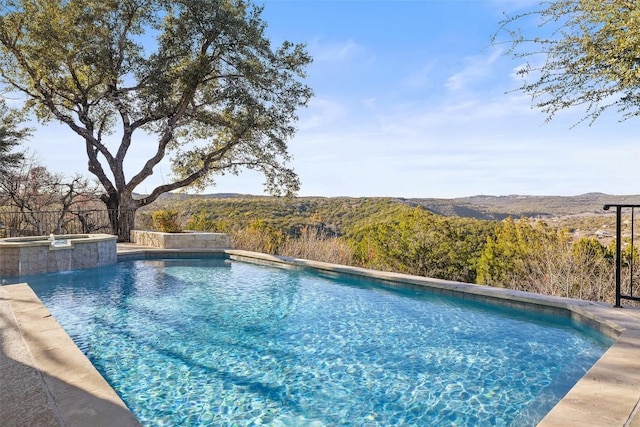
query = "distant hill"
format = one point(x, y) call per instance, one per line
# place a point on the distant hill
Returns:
point(500, 207)
point(582, 215)
point(478, 207)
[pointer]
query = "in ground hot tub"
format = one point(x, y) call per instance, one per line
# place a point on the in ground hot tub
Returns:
point(22, 256)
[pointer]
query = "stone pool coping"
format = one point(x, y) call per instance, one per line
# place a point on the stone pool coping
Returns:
point(47, 381)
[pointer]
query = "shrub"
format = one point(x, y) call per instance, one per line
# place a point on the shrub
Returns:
point(166, 221)
point(201, 222)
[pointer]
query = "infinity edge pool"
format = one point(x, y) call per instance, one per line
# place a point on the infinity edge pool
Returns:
point(63, 388)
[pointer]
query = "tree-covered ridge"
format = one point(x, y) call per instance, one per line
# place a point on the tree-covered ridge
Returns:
point(501, 207)
point(582, 214)
point(333, 215)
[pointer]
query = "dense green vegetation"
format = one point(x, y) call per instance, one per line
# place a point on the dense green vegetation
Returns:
point(414, 241)
point(290, 215)
point(559, 255)
point(537, 258)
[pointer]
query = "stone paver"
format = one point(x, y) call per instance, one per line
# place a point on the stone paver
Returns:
point(24, 400)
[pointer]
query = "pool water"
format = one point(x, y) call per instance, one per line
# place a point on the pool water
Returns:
point(226, 343)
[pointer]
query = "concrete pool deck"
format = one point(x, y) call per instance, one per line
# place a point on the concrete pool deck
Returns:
point(45, 380)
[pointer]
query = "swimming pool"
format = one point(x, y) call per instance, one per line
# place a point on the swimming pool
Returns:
point(218, 342)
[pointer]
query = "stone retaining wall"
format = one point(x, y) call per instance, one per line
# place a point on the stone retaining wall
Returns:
point(186, 240)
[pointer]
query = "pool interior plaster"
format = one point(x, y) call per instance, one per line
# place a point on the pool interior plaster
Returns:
point(46, 380)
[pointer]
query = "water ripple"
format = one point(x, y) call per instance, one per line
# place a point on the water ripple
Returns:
point(209, 342)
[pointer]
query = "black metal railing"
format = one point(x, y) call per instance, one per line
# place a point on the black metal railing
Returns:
point(628, 293)
point(20, 224)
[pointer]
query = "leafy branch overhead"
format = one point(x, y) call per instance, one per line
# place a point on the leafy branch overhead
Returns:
point(584, 54)
point(196, 79)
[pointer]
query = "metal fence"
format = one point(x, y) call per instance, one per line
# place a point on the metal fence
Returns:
point(625, 290)
point(19, 224)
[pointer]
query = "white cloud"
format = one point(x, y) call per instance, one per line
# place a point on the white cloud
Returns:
point(421, 77)
point(369, 102)
point(476, 68)
point(322, 111)
point(471, 111)
point(335, 51)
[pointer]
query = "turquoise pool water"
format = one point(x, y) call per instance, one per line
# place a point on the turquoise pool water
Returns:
point(226, 343)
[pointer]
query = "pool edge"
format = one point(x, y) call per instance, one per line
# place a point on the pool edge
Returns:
point(64, 388)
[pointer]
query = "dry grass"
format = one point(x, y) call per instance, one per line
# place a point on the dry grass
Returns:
point(311, 245)
point(315, 246)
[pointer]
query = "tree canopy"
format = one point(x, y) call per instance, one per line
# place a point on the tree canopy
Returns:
point(415, 241)
point(198, 78)
point(584, 53)
point(11, 136)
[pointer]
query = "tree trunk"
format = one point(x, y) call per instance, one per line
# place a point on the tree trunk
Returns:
point(122, 216)
point(111, 204)
point(126, 223)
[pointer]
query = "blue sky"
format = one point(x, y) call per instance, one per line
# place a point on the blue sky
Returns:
point(412, 100)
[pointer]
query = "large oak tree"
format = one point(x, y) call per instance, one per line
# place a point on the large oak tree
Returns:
point(581, 53)
point(198, 78)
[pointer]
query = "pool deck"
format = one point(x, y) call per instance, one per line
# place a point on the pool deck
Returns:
point(45, 380)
